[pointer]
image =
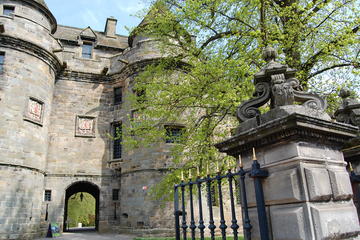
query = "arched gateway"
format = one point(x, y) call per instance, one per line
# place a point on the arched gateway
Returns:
point(82, 187)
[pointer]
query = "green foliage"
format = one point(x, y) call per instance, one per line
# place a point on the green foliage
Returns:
point(81, 211)
point(201, 82)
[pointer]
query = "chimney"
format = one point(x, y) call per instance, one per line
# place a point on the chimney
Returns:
point(110, 27)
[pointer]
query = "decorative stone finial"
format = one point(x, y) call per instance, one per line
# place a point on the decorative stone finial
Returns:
point(344, 93)
point(349, 111)
point(269, 54)
point(277, 83)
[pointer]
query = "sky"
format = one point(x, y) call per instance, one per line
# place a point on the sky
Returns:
point(93, 13)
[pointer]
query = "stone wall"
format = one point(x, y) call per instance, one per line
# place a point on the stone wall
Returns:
point(58, 111)
point(27, 84)
point(20, 203)
point(75, 157)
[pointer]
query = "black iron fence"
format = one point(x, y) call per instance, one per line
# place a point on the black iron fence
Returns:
point(187, 223)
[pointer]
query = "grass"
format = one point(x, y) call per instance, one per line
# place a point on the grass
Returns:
point(172, 238)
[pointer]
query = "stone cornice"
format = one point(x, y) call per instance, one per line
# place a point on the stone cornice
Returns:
point(32, 49)
point(293, 127)
point(125, 72)
point(22, 167)
point(84, 77)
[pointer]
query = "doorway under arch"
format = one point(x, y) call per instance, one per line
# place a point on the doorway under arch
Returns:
point(82, 187)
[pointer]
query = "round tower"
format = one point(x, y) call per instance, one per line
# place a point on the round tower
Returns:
point(27, 74)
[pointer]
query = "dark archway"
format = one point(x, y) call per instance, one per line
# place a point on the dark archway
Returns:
point(82, 186)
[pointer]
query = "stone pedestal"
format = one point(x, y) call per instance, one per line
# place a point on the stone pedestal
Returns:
point(308, 192)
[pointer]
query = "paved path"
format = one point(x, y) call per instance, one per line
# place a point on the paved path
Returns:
point(91, 236)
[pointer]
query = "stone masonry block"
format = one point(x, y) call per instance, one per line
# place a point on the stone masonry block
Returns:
point(283, 187)
point(281, 152)
point(318, 183)
point(340, 183)
point(311, 150)
point(280, 187)
point(334, 219)
point(254, 221)
point(290, 220)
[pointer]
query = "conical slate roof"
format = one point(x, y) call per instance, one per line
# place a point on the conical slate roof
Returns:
point(43, 7)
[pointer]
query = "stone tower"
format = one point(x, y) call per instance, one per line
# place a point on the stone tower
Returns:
point(27, 79)
point(62, 91)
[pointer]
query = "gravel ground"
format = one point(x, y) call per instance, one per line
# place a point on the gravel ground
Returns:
point(91, 236)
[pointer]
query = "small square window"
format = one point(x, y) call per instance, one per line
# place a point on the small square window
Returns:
point(87, 50)
point(115, 194)
point(174, 134)
point(117, 95)
point(2, 61)
point(9, 10)
point(47, 196)
point(117, 146)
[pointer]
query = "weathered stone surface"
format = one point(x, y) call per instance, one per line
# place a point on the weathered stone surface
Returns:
point(340, 183)
point(61, 148)
point(295, 216)
point(255, 231)
point(334, 219)
point(318, 184)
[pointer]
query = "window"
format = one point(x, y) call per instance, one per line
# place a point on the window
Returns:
point(8, 10)
point(2, 59)
point(87, 50)
point(47, 196)
point(115, 194)
point(117, 132)
point(174, 134)
point(117, 95)
point(140, 95)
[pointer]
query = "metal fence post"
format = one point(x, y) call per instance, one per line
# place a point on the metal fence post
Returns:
point(176, 212)
point(257, 174)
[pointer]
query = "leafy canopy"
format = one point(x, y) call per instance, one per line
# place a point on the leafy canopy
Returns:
point(201, 81)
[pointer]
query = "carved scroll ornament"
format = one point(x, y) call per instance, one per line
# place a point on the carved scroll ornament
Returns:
point(277, 83)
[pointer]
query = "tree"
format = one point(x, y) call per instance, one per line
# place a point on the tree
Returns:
point(204, 80)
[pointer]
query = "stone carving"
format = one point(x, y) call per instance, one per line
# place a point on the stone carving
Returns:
point(349, 111)
point(34, 111)
point(85, 126)
point(276, 82)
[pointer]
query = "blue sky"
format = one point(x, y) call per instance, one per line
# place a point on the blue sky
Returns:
point(93, 13)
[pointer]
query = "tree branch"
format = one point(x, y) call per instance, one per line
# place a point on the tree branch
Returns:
point(329, 68)
point(312, 60)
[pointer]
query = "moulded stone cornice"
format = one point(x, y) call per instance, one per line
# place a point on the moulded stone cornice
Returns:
point(125, 72)
point(23, 167)
point(294, 127)
point(32, 49)
point(84, 77)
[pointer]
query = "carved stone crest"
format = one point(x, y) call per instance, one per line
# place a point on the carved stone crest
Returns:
point(85, 126)
point(277, 83)
point(34, 111)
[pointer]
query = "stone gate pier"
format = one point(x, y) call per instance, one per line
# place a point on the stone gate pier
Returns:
point(308, 192)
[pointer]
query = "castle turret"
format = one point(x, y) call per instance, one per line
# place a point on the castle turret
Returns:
point(28, 68)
